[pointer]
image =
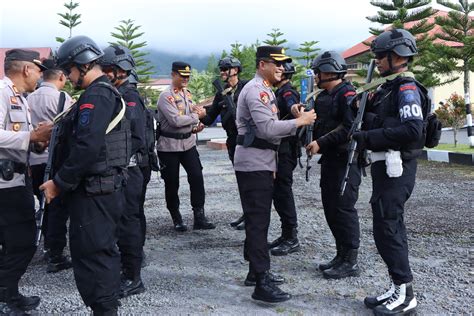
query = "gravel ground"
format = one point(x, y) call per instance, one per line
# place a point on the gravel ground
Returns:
point(202, 272)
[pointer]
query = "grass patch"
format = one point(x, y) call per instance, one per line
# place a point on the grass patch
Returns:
point(460, 148)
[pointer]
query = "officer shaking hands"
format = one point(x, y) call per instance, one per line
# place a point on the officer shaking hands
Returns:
point(17, 209)
point(178, 119)
point(91, 158)
point(394, 133)
point(335, 119)
point(260, 132)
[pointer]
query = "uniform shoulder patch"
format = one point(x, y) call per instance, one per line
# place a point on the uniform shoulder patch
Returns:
point(287, 94)
point(349, 93)
point(170, 99)
point(408, 86)
point(86, 106)
point(131, 103)
point(264, 97)
point(84, 117)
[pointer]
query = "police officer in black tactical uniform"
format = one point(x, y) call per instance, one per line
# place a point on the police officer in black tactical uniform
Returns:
point(283, 199)
point(91, 159)
point(229, 68)
point(394, 133)
point(17, 209)
point(117, 64)
point(335, 118)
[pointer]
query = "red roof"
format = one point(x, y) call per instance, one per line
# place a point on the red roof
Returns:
point(362, 48)
point(45, 52)
point(160, 82)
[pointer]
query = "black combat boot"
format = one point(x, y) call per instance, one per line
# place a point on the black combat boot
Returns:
point(277, 242)
point(130, 286)
point(179, 226)
point(237, 222)
point(251, 279)
point(200, 220)
point(402, 302)
point(267, 291)
point(347, 268)
point(289, 244)
point(57, 263)
point(335, 261)
point(6, 306)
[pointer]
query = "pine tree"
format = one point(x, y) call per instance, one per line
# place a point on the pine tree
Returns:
point(309, 52)
point(69, 19)
point(275, 38)
point(397, 13)
point(458, 27)
point(128, 33)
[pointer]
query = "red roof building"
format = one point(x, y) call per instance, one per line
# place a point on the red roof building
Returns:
point(45, 53)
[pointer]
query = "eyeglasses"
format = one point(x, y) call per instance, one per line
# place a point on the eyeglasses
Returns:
point(381, 55)
point(67, 69)
point(224, 69)
point(277, 63)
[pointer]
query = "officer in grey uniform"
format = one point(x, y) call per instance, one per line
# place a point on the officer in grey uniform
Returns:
point(46, 102)
point(259, 134)
point(17, 210)
point(178, 119)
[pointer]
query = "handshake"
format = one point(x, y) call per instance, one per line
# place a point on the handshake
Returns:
point(199, 110)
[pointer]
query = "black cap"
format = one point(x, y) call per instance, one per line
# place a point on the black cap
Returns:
point(51, 64)
point(25, 55)
point(184, 69)
point(276, 53)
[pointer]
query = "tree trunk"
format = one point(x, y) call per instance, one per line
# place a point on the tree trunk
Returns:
point(455, 133)
point(467, 101)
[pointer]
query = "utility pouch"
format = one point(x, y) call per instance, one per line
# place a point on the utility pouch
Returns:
point(7, 169)
point(394, 163)
point(102, 184)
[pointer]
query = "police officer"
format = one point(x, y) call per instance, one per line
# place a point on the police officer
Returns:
point(283, 199)
point(91, 157)
point(229, 69)
point(117, 63)
point(17, 211)
point(394, 133)
point(178, 119)
point(335, 118)
point(259, 135)
point(46, 102)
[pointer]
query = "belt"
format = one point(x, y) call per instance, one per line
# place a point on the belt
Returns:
point(257, 143)
point(18, 167)
point(377, 156)
point(175, 135)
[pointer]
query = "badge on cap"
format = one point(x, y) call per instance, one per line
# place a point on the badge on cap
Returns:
point(264, 97)
point(16, 127)
point(13, 100)
point(187, 68)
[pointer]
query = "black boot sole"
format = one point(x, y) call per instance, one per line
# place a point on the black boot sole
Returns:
point(271, 300)
point(135, 291)
point(341, 276)
point(254, 283)
point(198, 227)
point(276, 253)
point(56, 267)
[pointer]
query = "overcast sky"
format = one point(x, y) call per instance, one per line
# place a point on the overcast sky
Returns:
point(191, 26)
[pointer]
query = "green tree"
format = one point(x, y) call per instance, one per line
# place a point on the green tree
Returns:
point(458, 27)
point(451, 114)
point(127, 35)
point(411, 15)
point(69, 19)
point(309, 52)
point(246, 55)
point(275, 38)
point(200, 85)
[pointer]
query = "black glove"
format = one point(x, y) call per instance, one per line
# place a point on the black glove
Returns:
point(361, 138)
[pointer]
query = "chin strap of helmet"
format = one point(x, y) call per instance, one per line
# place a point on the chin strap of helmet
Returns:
point(320, 81)
point(391, 69)
point(83, 70)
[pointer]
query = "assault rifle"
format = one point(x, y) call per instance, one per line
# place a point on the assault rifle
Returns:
point(307, 94)
point(228, 102)
point(39, 214)
point(356, 126)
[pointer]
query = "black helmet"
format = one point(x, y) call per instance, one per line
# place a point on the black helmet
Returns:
point(230, 62)
point(288, 68)
point(399, 41)
point(329, 61)
point(118, 56)
point(78, 50)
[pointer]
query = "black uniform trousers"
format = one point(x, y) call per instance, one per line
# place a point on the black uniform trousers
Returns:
point(388, 201)
point(231, 143)
point(340, 212)
point(93, 236)
point(55, 217)
point(130, 240)
point(189, 159)
point(256, 191)
point(283, 198)
point(17, 234)
point(146, 172)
